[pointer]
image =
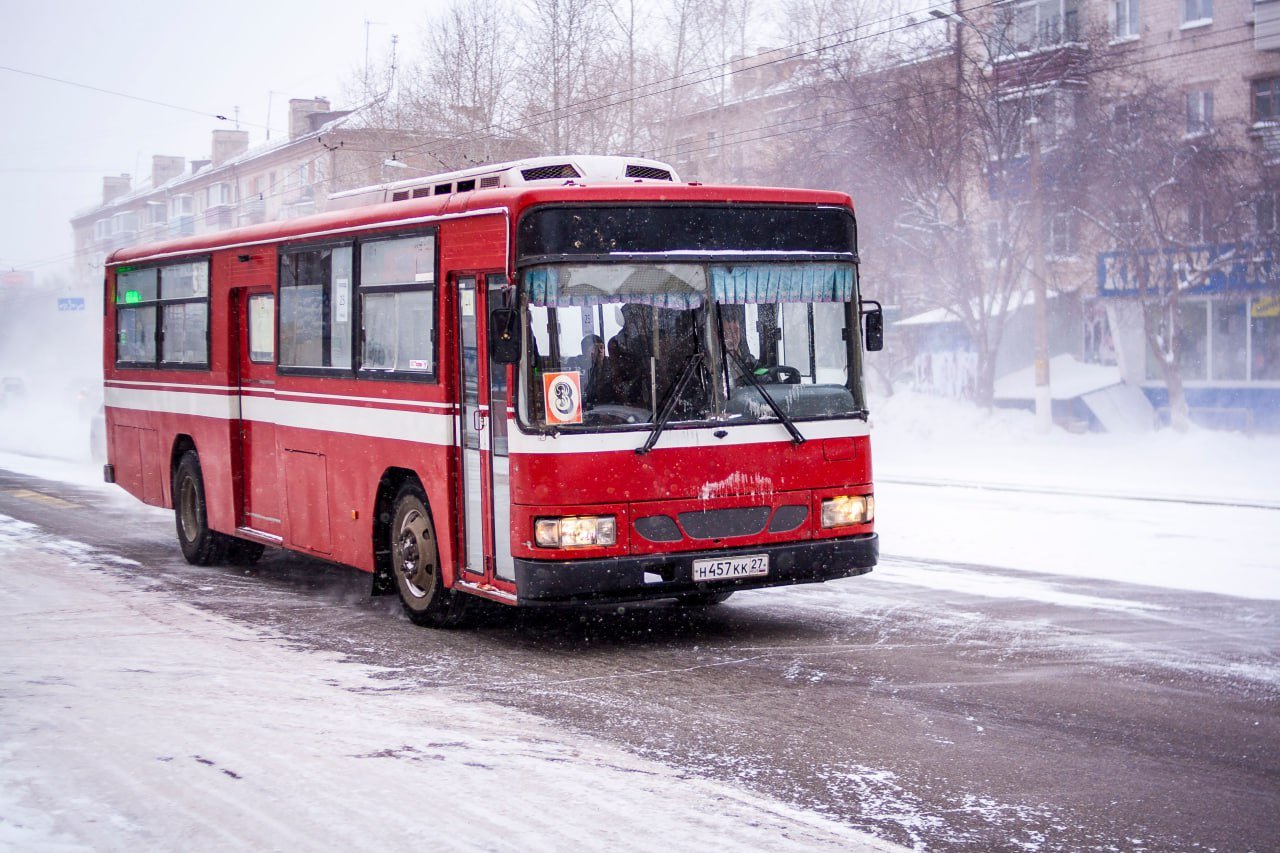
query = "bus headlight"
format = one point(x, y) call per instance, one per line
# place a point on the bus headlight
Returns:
point(848, 509)
point(575, 531)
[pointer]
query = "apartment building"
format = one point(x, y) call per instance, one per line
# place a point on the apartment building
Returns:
point(1042, 62)
point(326, 151)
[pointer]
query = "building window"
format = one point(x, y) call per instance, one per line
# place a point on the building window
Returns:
point(397, 304)
point(1199, 112)
point(219, 195)
point(1266, 99)
point(1229, 341)
point(182, 205)
point(125, 222)
point(102, 229)
point(315, 307)
point(1197, 11)
point(1060, 234)
point(1225, 340)
point(163, 311)
point(1199, 222)
point(994, 241)
point(1050, 115)
point(1127, 24)
point(1189, 326)
point(1265, 209)
point(1033, 24)
point(1264, 339)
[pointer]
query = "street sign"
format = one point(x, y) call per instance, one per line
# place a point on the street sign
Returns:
point(71, 303)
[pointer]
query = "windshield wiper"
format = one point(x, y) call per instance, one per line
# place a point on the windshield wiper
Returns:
point(749, 375)
point(669, 404)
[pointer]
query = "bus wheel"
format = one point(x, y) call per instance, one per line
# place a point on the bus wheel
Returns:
point(704, 599)
point(415, 563)
point(200, 545)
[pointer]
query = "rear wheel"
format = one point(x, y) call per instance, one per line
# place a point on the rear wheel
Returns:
point(200, 545)
point(415, 563)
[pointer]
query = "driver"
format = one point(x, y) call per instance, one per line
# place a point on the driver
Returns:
point(732, 320)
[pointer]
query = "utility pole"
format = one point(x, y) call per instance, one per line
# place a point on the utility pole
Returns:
point(1043, 397)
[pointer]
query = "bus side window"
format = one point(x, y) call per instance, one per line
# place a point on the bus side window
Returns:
point(315, 308)
point(397, 304)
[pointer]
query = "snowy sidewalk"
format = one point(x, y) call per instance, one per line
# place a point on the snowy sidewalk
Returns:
point(129, 720)
point(921, 438)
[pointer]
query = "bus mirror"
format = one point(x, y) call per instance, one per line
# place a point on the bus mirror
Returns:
point(874, 322)
point(504, 336)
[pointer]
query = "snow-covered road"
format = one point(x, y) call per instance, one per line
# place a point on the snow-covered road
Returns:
point(129, 720)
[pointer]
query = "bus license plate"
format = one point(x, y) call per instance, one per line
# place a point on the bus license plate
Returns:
point(724, 568)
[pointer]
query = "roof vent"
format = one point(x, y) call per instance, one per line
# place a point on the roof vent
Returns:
point(489, 182)
point(648, 172)
point(542, 173)
point(421, 191)
point(400, 196)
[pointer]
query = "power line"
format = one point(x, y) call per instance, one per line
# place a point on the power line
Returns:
point(271, 192)
point(113, 92)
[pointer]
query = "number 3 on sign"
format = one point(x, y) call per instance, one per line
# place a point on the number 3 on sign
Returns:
point(562, 397)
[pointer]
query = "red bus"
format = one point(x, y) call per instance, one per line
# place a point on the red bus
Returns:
point(552, 381)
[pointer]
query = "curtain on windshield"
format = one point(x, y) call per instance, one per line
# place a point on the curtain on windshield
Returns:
point(768, 283)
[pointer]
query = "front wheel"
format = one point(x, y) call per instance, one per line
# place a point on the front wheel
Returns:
point(415, 563)
point(200, 545)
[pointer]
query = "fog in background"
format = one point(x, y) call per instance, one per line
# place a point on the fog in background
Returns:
point(91, 89)
point(182, 64)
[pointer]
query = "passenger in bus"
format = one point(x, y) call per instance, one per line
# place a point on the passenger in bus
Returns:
point(596, 370)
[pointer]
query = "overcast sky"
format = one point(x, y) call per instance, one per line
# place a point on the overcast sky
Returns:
point(59, 140)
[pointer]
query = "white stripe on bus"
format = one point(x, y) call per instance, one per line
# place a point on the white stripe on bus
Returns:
point(425, 427)
point(314, 396)
point(438, 429)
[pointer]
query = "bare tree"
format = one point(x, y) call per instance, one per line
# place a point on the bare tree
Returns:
point(560, 78)
point(1165, 198)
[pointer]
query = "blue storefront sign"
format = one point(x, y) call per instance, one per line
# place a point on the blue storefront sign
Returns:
point(1218, 268)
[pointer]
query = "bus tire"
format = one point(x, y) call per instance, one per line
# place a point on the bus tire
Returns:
point(415, 563)
point(704, 599)
point(200, 545)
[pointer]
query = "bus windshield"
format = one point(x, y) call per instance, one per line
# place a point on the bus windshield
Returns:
point(616, 344)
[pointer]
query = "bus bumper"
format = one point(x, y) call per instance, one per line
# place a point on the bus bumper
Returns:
point(669, 575)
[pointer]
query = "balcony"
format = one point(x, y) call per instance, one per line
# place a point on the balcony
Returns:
point(182, 226)
point(219, 216)
point(253, 212)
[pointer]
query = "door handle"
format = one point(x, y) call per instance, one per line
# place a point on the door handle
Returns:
point(477, 419)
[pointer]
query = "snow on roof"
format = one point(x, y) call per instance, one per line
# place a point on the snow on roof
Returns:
point(1068, 379)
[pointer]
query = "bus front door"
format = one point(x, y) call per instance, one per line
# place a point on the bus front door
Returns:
point(258, 475)
point(481, 442)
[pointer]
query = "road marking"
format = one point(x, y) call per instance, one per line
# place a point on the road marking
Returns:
point(41, 498)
